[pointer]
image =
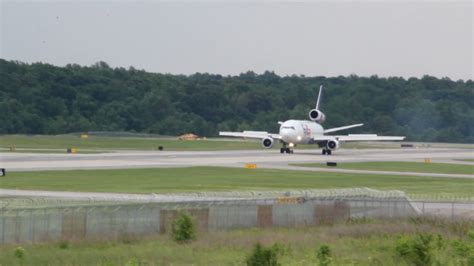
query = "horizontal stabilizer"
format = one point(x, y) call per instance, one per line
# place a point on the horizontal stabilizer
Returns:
point(341, 128)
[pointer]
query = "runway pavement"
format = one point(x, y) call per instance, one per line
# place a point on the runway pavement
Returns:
point(263, 159)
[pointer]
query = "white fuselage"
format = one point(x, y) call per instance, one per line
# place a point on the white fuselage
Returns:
point(300, 131)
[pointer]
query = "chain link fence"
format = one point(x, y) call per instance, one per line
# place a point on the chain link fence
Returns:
point(114, 220)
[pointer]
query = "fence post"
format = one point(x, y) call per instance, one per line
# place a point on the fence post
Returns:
point(17, 227)
point(404, 209)
point(73, 227)
point(3, 225)
point(46, 218)
point(365, 208)
point(452, 210)
point(32, 222)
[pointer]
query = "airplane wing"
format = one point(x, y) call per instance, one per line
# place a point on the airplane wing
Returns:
point(357, 137)
point(342, 128)
point(250, 134)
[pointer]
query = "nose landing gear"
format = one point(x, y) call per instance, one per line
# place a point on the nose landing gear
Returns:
point(285, 149)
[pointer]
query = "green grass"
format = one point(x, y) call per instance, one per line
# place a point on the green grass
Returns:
point(420, 167)
point(465, 160)
point(41, 143)
point(59, 143)
point(38, 142)
point(371, 243)
point(167, 180)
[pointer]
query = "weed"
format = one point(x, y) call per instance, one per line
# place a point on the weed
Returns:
point(132, 262)
point(127, 238)
point(263, 256)
point(19, 252)
point(359, 220)
point(63, 244)
point(324, 255)
point(417, 250)
point(465, 249)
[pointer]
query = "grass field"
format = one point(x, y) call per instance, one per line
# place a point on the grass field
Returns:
point(38, 142)
point(466, 160)
point(59, 143)
point(168, 180)
point(419, 167)
point(372, 243)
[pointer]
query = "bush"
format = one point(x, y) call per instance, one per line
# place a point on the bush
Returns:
point(262, 256)
point(19, 252)
point(465, 249)
point(324, 255)
point(184, 228)
point(417, 250)
point(63, 244)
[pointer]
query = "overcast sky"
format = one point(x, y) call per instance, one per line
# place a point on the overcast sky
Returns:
point(327, 38)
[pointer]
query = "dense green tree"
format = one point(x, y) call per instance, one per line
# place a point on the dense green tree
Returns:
point(44, 99)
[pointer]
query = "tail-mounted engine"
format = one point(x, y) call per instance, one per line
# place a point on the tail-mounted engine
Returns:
point(332, 145)
point(317, 116)
point(267, 143)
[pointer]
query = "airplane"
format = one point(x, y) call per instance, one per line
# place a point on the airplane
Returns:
point(294, 132)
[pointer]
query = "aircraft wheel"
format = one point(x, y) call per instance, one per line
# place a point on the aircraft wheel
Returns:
point(324, 152)
point(329, 152)
point(288, 150)
point(282, 150)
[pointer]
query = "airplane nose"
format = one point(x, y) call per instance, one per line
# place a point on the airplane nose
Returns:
point(284, 134)
point(288, 136)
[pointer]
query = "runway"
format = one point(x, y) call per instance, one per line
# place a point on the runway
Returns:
point(270, 159)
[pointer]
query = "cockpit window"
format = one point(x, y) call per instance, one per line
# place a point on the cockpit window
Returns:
point(293, 128)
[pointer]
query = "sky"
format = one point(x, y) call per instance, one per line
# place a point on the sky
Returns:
point(319, 38)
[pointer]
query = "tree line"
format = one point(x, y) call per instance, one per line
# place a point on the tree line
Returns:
point(45, 99)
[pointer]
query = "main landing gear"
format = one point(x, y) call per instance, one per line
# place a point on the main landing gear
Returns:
point(326, 151)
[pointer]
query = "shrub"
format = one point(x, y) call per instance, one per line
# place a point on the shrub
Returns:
point(359, 220)
point(440, 242)
point(127, 238)
point(263, 256)
point(465, 249)
point(184, 228)
point(417, 250)
point(63, 244)
point(19, 252)
point(324, 255)
point(461, 248)
point(470, 235)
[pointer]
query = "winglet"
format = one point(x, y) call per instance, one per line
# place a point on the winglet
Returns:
point(319, 97)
